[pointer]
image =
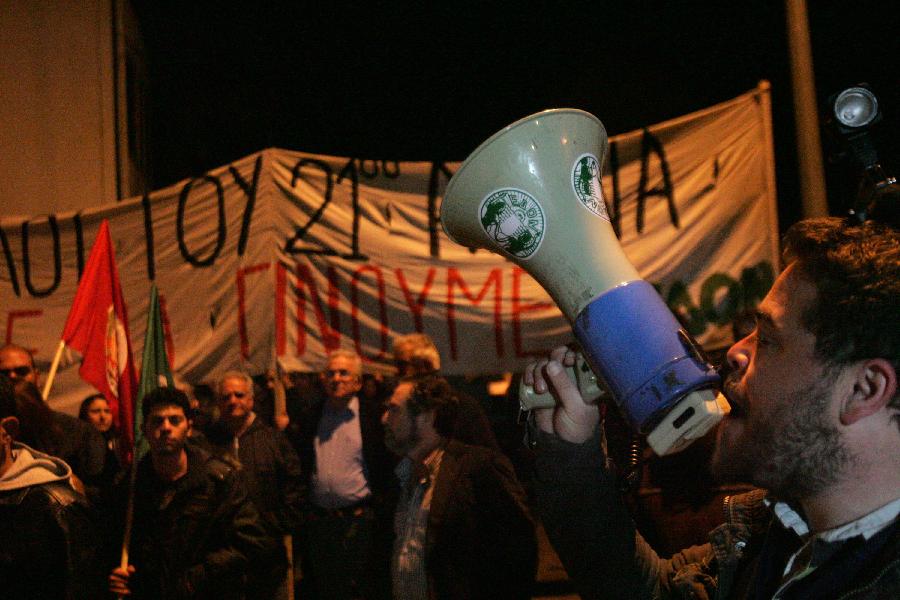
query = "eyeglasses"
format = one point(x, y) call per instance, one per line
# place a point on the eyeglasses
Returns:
point(238, 395)
point(19, 371)
point(342, 373)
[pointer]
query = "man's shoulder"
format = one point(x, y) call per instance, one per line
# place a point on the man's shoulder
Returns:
point(265, 436)
point(66, 422)
point(370, 407)
point(54, 494)
point(206, 466)
point(261, 430)
point(462, 450)
point(215, 467)
point(473, 459)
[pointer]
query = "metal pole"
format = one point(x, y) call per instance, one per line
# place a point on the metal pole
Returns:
point(809, 146)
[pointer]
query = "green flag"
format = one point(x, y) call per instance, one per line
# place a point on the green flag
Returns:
point(154, 364)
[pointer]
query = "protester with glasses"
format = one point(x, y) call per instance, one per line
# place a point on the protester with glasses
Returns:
point(347, 526)
point(62, 435)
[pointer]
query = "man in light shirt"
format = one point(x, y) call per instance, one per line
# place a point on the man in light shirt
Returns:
point(815, 420)
point(346, 538)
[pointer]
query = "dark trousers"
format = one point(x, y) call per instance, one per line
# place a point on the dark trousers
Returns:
point(340, 555)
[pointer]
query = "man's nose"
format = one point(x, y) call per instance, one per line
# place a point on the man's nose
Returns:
point(739, 355)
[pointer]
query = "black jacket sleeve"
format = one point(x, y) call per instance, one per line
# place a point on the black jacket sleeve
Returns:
point(243, 538)
point(586, 519)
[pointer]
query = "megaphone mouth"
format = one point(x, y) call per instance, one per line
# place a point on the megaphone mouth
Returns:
point(533, 119)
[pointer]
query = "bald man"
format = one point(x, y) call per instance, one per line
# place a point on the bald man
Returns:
point(81, 446)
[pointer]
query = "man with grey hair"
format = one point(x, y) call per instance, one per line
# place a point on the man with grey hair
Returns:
point(270, 468)
point(347, 536)
point(416, 355)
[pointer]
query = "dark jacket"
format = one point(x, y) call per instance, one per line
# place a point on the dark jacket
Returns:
point(196, 537)
point(82, 447)
point(472, 423)
point(270, 469)
point(591, 530)
point(480, 541)
point(48, 545)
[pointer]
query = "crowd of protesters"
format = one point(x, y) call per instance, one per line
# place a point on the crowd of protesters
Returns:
point(242, 496)
point(403, 493)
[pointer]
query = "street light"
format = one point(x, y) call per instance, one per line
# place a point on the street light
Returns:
point(854, 111)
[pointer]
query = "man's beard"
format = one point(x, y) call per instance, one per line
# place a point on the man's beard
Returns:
point(401, 447)
point(795, 453)
point(169, 448)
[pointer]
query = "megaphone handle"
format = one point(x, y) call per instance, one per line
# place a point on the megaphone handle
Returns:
point(580, 374)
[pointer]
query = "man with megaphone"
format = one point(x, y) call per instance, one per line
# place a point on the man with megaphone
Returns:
point(815, 420)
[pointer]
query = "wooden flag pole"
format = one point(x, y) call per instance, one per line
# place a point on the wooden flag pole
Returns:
point(53, 366)
point(129, 515)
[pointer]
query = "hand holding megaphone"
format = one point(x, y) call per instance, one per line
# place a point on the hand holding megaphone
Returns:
point(579, 373)
point(573, 419)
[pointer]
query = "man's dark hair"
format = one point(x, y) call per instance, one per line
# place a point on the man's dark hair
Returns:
point(165, 396)
point(855, 269)
point(432, 392)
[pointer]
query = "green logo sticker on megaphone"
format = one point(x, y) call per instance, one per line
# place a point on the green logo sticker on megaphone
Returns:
point(586, 183)
point(514, 220)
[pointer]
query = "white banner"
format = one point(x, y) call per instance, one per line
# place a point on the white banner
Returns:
point(284, 255)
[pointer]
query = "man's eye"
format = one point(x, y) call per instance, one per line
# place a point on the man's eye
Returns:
point(762, 339)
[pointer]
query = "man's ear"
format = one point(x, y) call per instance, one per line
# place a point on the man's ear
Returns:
point(874, 385)
point(11, 426)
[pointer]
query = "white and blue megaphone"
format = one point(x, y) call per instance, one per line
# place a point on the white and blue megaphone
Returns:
point(532, 193)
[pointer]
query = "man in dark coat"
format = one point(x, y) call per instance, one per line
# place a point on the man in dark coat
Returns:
point(271, 470)
point(462, 527)
point(196, 534)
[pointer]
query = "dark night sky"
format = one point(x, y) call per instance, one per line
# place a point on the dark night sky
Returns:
point(404, 82)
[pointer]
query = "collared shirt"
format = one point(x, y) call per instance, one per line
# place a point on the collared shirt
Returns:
point(819, 547)
point(340, 479)
point(409, 578)
point(236, 441)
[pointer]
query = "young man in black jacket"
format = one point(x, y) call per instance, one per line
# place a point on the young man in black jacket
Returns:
point(196, 534)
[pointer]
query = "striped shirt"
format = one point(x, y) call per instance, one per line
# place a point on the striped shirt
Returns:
point(410, 580)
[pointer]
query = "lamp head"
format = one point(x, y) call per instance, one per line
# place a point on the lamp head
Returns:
point(855, 107)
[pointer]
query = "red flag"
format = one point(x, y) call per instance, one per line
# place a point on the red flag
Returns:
point(97, 327)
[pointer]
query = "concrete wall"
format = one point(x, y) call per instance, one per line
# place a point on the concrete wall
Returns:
point(58, 105)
